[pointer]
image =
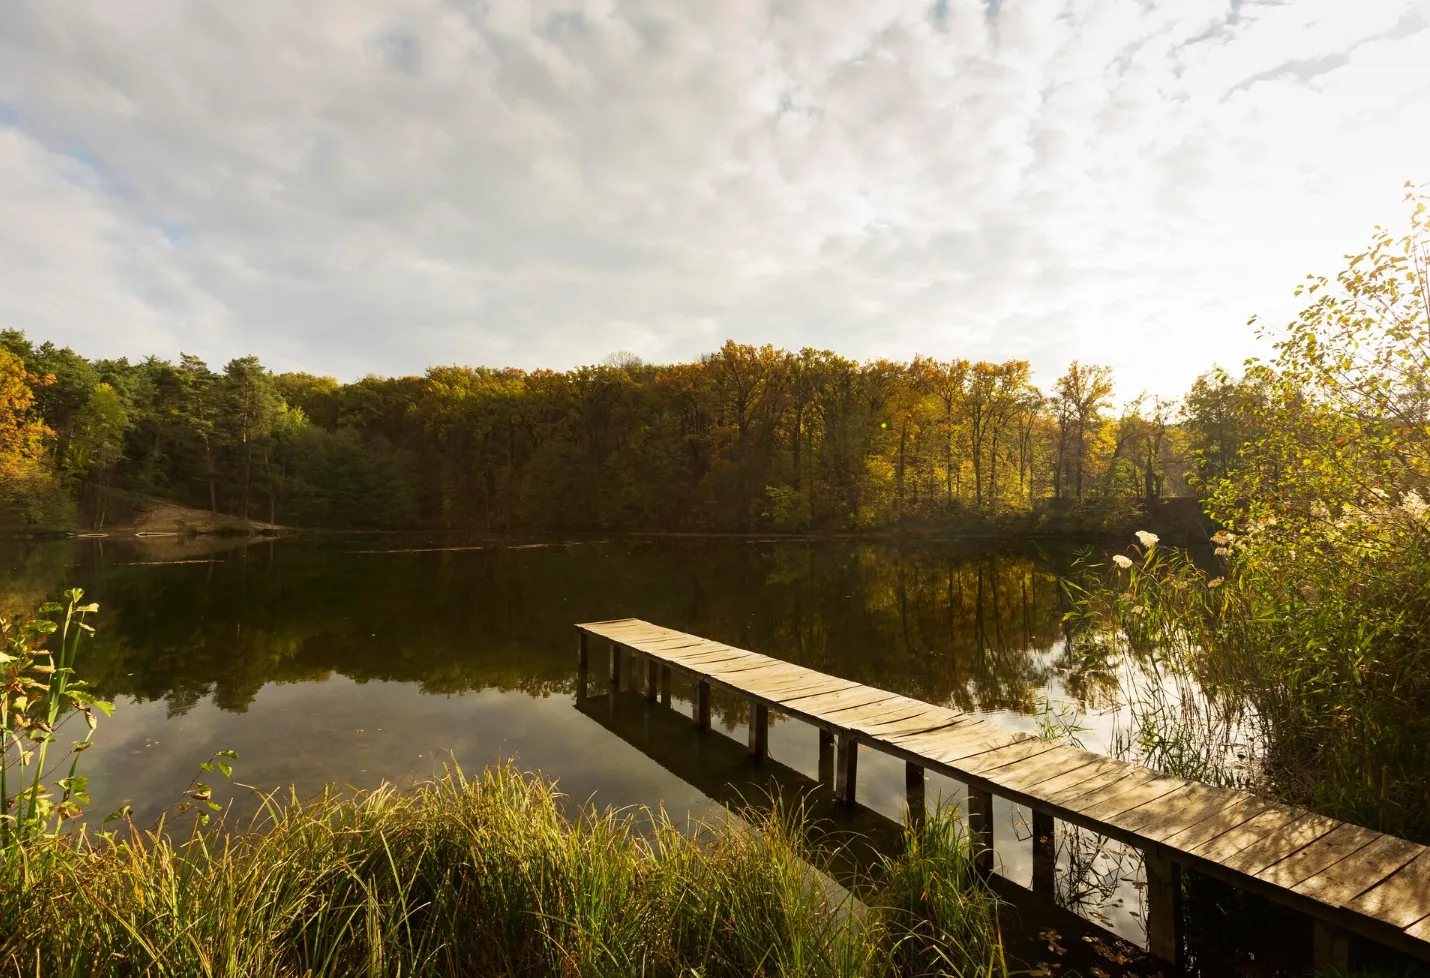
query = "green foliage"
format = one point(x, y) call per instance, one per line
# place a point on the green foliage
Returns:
point(489, 876)
point(747, 438)
point(39, 693)
point(1316, 629)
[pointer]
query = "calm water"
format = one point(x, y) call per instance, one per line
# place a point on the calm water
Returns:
point(377, 658)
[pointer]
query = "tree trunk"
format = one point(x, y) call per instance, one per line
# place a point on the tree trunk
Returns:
point(209, 467)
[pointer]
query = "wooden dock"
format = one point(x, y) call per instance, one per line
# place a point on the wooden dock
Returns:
point(1349, 879)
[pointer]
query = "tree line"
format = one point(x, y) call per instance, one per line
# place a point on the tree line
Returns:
point(746, 438)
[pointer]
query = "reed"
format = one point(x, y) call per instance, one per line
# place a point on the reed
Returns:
point(488, 876)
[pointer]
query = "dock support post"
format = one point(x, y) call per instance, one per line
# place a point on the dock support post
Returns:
point(1331, 948)
point(826, 757)
point(759, 731)
point(1045, 853)
point(701, 706)
point(846, 767)
point(615, 666)
point(652, 671)
point(914, 789)
point(582, 665)
point(1164, 906)
point(980, 827)
point(665, 685)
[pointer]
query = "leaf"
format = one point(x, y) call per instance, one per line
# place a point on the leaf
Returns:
point(121, 812)
point(232, 755)
point(50, 607)
point(225, 768)
point(206, 766)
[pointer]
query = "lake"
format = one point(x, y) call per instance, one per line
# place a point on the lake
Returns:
point(369, 658)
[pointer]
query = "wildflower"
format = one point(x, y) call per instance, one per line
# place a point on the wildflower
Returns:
point(1221, 551)
point(1137, 609)
point(1414, 504)
point(1122, 560)
point(1221, 538)
point(1215, 582)
point(1148, 540)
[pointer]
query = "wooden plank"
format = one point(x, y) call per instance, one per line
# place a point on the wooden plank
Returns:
point(932, 719)
point(980, 827)
point(1011, 754)
point(730, 670)
point(1400, 899)
point(952, 742)
point(914, 793)
point(1292, 836)
point(759, 730)
point(1341, 882)
point(785, 679)
point(729, 660)
point(1045, 853)
point(1164, 907)
point(818, 703)
point(1156, 791)
point(1331, 848)
point(1420, 931)
point(1052, 761)
point(1186, 839)
point(760, 677)
point(1113, 781)
point(878, 720)
point(897, 706)
point(779, 691)
point(956, 750)
point(1222, 847)
point(1047, 781)
point(846, 768)
point(665, 646)
point(1176, 812)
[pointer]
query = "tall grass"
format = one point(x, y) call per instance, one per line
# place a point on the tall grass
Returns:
point(488, 876)
point(1256, 676)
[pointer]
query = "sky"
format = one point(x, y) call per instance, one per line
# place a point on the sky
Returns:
point(351, 187)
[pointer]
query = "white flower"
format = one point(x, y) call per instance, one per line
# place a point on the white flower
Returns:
point(1221, 551)
point(1122, 560)
point(1221, 538)
point(1148, 540)
point(1138, 610)
point(1413, 504)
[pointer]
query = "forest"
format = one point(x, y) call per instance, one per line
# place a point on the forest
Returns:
point(745, 439)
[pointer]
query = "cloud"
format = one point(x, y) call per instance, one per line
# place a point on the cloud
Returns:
point(358, 187)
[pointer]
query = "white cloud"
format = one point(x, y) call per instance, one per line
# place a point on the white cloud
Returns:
point(361, 186)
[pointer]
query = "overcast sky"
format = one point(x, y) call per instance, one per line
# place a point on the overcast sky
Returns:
point(352, 187)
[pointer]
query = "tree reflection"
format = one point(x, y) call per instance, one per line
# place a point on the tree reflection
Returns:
point(967, 627)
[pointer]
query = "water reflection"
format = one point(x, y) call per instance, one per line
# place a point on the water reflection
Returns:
point(358, 662)
point(967, 628)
